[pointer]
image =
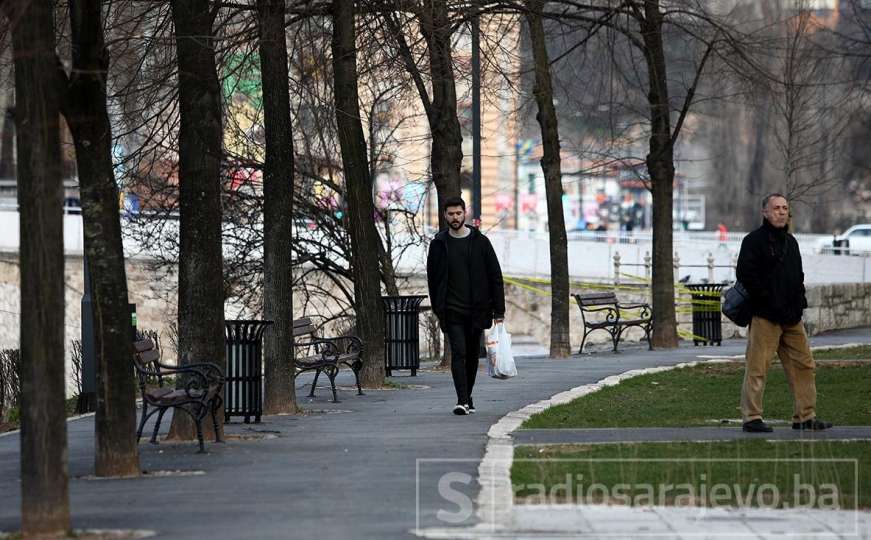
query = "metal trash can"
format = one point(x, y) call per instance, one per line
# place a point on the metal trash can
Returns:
point(707, 324)
point(402, 333)
point(243, 389)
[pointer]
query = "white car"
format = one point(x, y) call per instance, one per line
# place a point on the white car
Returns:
point(856, 240)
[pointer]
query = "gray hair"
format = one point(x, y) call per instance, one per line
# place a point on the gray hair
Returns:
point(770, 196)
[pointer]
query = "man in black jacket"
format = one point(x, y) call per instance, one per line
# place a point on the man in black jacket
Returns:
point(769, 267)
point(466, 292)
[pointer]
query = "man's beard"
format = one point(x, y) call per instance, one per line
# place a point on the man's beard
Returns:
point(455, 225)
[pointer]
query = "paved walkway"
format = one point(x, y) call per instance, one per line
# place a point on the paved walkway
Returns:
point(658, 434)
point(369, 467)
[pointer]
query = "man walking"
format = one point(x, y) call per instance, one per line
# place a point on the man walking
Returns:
point(769, 267)
point(466, 292)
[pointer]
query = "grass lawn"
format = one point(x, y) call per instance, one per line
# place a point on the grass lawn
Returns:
point(698, 474)
point(707, 394)
point(735, 473)
point(862, 352)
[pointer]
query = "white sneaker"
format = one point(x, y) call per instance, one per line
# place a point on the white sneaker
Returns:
point(461, 410)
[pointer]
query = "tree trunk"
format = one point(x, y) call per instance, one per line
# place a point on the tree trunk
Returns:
point(446, 156)
point(7, 136)
point(756, 172)
point(660, 166)
point(85, 110)
point(200, 276)
point(278, 185)
point(388, 272)
point(358, 187)
point(44, 482)
point(560, 346)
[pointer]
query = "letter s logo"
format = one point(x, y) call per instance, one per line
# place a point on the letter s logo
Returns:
point(448, 493)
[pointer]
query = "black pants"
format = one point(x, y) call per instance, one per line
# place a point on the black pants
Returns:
point(465, 342)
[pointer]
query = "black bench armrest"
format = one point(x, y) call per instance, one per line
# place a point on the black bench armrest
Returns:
point(211, 370)
point(642, 307)
point(198, 380)
point(323, 347)
point(633, 306)
point(345, 344)
point(612, 313)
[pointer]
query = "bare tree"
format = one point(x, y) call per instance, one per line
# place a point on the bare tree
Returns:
point(361, 210)
point(45, 507)
point(794, 97)
point(431, 19)
point(811, 112)
point(85, 110)
point(201, 286)
point(278, 185)
point(643, 26)
point(560, 345)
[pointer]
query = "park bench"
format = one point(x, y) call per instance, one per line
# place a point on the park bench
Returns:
point(612, 316)
point(196, 390)
point(325, 354)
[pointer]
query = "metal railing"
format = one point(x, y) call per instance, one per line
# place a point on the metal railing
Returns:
point(648, 266)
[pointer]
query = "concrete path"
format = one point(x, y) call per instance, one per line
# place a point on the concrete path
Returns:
point(368, 467)
point(656, 434)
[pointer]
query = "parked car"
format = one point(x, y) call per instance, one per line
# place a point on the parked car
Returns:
point(856, 239)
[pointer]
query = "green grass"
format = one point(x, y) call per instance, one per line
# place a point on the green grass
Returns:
point(862, 352)
point(708, 393)
point(684, 473)
point(542, 474)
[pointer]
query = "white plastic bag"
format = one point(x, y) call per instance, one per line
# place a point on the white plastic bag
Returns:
point(500, 361)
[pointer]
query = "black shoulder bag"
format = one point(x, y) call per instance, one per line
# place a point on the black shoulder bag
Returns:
point(736, 305)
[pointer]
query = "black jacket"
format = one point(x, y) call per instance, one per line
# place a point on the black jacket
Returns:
point(769, 266)
point(488, 292)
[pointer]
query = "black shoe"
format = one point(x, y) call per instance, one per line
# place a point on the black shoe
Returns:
point(812, 424)
point(756, 426)
point(471, 407)
point(461, 410)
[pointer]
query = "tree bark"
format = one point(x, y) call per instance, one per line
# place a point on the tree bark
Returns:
point(446, 156)
point(560, 345)
point(86, 114)
point(660, 166)
point(358, 186)
point(44, 482)
point(200, 277)
point(278, 186)
point(7, 136)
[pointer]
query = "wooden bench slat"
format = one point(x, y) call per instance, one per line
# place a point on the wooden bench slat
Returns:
point(143, 345)
point(596, 298)
point(603, 301)
point(148, 356)
point(303, 330)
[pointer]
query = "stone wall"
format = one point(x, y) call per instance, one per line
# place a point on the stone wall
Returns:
point(151, 289)
point(832, 307)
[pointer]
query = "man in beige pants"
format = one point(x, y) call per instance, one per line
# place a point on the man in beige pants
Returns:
point(769, 267)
